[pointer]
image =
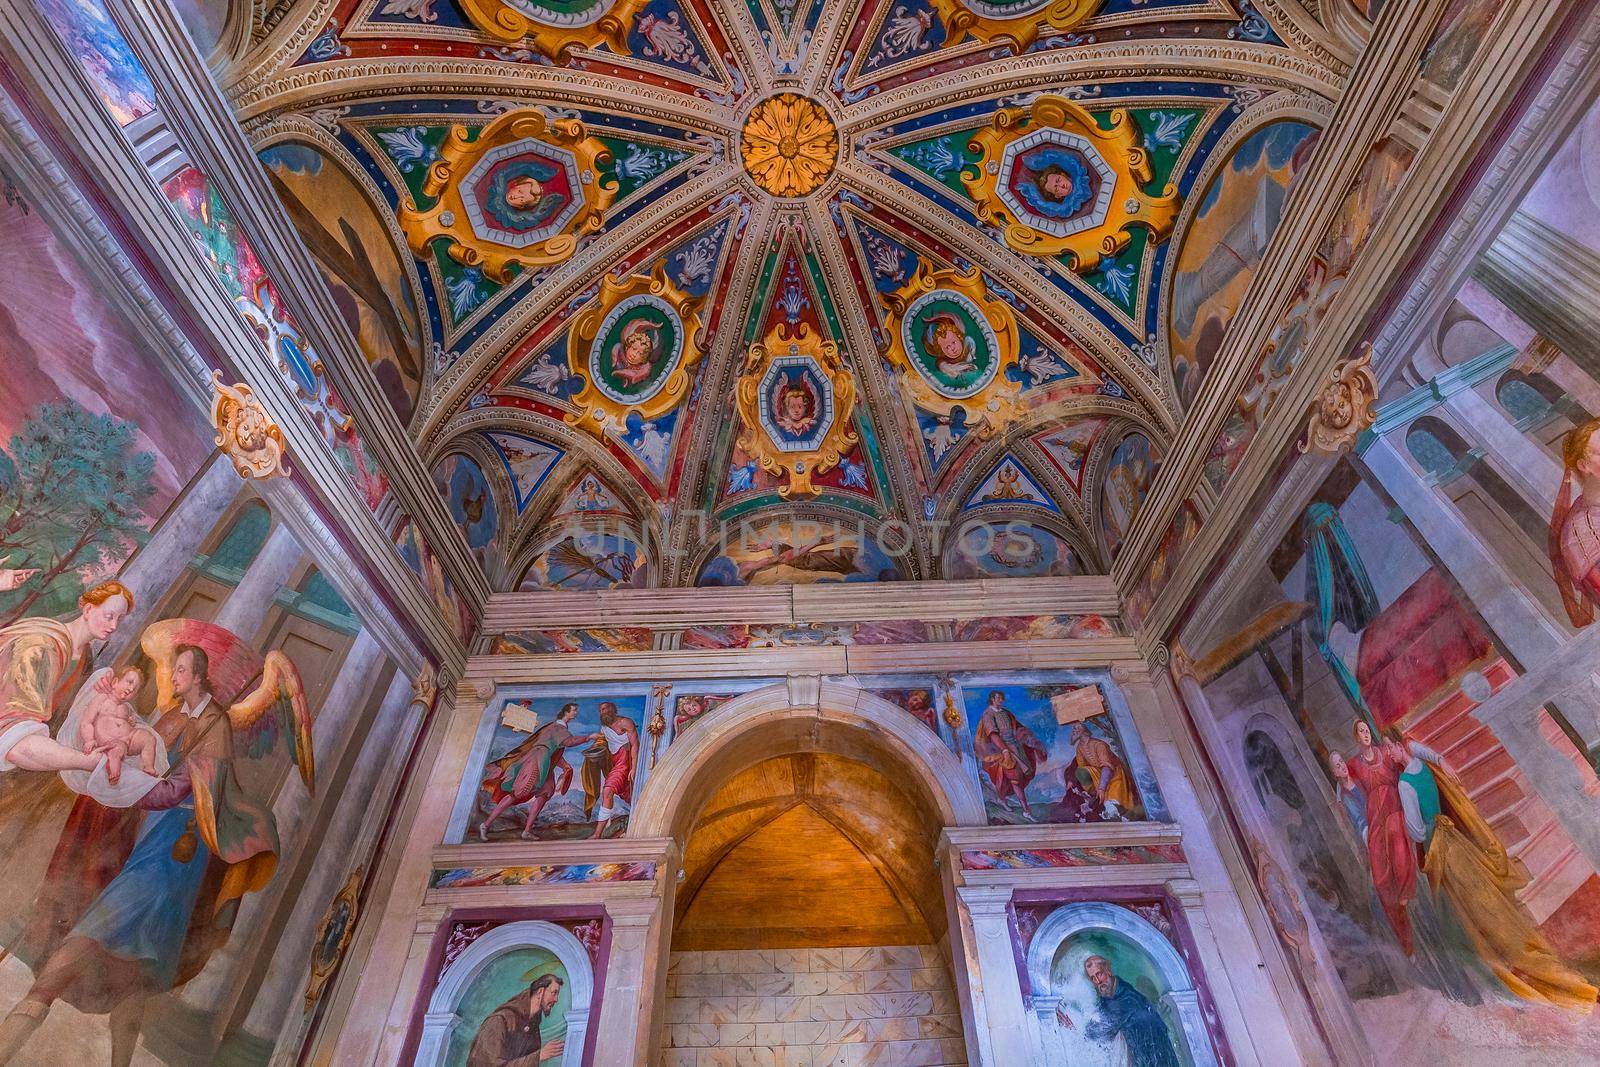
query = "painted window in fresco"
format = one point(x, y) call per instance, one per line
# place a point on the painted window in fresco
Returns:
point(471, 501)
point(1130, 470)
point(360, 258)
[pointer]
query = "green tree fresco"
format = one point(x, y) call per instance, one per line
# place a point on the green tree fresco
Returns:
point(73, 487)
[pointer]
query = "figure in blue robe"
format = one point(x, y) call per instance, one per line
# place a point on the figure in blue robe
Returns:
point(1126, 1011)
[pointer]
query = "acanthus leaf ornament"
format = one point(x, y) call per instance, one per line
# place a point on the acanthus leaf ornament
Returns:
point(556, 29)
point(1345, 406)
point(246, 432)
point(634, 346)
point(795, 397)
point(1019, 21)
point(520, 193)
point(1056, 184)
point(954, 345)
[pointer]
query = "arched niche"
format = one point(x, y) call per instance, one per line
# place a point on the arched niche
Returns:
point(440, 1023)
point(834, 717)
point(1179, 1003)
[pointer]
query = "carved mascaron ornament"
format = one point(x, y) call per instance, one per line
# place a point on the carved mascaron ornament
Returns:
point(1056, 184)
point(1345, 407)
point(954, 345)
point(522, 192)
point(246, 432)
point(556, 27)
point(794, 397)
point(1019, 21)
point(633, 346)
point(789, 145)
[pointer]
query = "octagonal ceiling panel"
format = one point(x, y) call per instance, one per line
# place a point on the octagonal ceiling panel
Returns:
point(988, 261)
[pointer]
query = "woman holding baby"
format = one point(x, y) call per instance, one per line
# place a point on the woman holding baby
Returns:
point(43, 663)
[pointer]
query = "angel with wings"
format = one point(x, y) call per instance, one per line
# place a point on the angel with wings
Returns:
point(139, 896)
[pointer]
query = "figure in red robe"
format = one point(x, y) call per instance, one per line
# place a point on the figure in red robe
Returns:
point(1008, 752)
point(1390, 851)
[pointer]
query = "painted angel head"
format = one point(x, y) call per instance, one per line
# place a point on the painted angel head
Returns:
point(794, 407)
point(1054, 182)
point(945, 340)
point(637, 351)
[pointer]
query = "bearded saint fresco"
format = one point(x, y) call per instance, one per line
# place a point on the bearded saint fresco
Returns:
point(564, 793)
point(1125, 1016)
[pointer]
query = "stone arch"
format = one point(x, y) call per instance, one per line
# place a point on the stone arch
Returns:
point(1182, 999)
point(441, 1019)
point(833, 716)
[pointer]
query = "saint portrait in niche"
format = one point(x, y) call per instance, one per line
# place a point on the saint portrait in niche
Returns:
point(1125, 1016)
point(513, 1034)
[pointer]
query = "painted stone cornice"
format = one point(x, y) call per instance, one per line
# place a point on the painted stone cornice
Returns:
point(1223, 62)
point(155, 254)
point(348, 81)
point(824, 661)
point(1382, 79)
point(841, 602)
point(1515, 46)
point(204, 123)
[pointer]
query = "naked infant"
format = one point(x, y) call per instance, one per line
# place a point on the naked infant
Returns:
point(110, 725)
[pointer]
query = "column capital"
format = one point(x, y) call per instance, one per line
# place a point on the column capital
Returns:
point(1186, 891)
point(985, 899)
point(633, 912)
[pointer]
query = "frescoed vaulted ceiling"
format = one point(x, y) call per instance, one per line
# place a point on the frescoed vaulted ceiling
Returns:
point(633, 270)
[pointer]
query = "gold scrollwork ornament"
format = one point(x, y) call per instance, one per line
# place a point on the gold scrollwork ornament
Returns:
point(246, 432)
point(1345, 407)
point(953, 344)
point(795, 397)
point(556, 32)
point(1019, 23)
point(521, 193)
point(338, 926)
point(634, 346)
point(1055, 184)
